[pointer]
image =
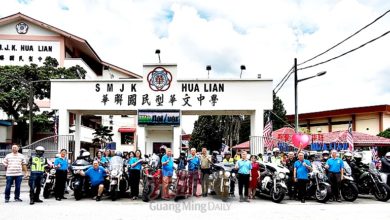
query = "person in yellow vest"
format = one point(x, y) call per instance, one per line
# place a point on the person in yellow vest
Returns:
point(37, 164)
point(276, 158)
point(237, 157)
point(229, 160)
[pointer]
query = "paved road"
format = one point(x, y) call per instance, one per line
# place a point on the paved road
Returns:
point(192, 208)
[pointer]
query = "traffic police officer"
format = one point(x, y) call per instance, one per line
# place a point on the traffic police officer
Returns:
point(37, 164)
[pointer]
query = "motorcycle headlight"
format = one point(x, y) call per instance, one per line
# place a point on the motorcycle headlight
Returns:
point(282, 175)
point(321, 176)
point(114, 172)
point(227, 174)
point(220, 173)
point(53, 171)
point(233, 175)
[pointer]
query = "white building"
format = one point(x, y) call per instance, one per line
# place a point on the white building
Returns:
point(144, 112)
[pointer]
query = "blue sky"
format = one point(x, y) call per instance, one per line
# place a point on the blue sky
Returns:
point(263, 35)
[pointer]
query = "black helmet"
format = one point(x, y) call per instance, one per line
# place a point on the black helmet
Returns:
point(215, 153)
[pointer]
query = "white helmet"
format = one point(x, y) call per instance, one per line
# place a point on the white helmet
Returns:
point(348, 154)
point(58, 155)
point(325, 152)
point(387, 156)
point(276, 150)
point(86, 154)
point(39, 150)
point(357, 156)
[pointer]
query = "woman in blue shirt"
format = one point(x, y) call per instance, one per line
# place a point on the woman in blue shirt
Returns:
point(135, 173)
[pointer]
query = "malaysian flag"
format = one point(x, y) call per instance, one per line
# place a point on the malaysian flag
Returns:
point(350, 138)
point(267, 134)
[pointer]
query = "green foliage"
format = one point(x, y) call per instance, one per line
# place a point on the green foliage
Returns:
point(206, 133)
point(385, 133)
point(16, 83)
point(102, 135)
point(279, 110)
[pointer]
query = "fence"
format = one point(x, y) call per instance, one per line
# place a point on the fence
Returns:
point(52, 145)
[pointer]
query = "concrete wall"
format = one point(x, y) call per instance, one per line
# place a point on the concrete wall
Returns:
point(368, 123)
point(157, 136)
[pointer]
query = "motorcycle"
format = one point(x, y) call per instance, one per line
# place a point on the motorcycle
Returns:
point(370, 182)
point(151, 178)
point(118, 178)
point(318, 187)
point(272, 182)
point(78, 183)
point(48, 181)
point(349, 189)
point(220, 179)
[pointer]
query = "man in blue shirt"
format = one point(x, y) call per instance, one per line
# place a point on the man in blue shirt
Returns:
point(96, 176)
point(193, 172)
point(61, 165)
point(302, 168)
point(167, 172)
point(335, 167)
point(244, 167)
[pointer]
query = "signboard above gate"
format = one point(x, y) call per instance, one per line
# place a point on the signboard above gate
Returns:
point(159, 117)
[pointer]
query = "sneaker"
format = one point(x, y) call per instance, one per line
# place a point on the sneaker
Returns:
point(246, 199)
point(241, 199)
point(58, 199)
point(302, 201)
point(6, 201)
point(98, 198)
point(38, 200)
point(338, 200)
point(31, 202)
point(18, 200)
point(232, 195)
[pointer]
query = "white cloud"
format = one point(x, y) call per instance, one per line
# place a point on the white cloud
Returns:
point(263, 35)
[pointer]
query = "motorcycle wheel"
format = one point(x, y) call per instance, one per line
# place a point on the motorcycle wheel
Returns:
point(323, 194)
point(146, 193)
point(278, 195)
point(114, 193)
point(78, 194)
point(383, 194)
point(46, 191)
point(350, 192)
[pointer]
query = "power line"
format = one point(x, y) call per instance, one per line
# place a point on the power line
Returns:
point(326, 61)
point(288, 76)
point(284, 77)
point(345, 38)
point(281, 119)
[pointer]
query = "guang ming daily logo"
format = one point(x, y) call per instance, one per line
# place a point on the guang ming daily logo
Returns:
point(159, 79)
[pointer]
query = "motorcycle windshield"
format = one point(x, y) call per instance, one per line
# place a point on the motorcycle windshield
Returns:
point(317, 166)
point(80, 162)
point(347, 169)
point(116, 163)
point(373, 169)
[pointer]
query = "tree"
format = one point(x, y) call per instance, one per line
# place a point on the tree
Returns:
point(245, 129)
point(102, 135)
point(385, 133)
point(280, 111)
point(206, 133)
point(16, 83)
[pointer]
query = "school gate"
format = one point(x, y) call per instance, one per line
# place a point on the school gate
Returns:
point(159, 100)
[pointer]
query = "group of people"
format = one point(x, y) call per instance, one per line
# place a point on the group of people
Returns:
point(198, 167)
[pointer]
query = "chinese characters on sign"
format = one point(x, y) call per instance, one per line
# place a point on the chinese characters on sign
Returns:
point(126, 94)
point(26, 52)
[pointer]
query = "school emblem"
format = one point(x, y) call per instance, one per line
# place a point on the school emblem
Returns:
point(159, 79)
point(22, 28)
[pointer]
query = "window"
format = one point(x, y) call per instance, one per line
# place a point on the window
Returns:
point(127, 138)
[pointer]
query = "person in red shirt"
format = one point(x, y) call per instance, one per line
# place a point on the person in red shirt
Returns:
point(255, 177)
